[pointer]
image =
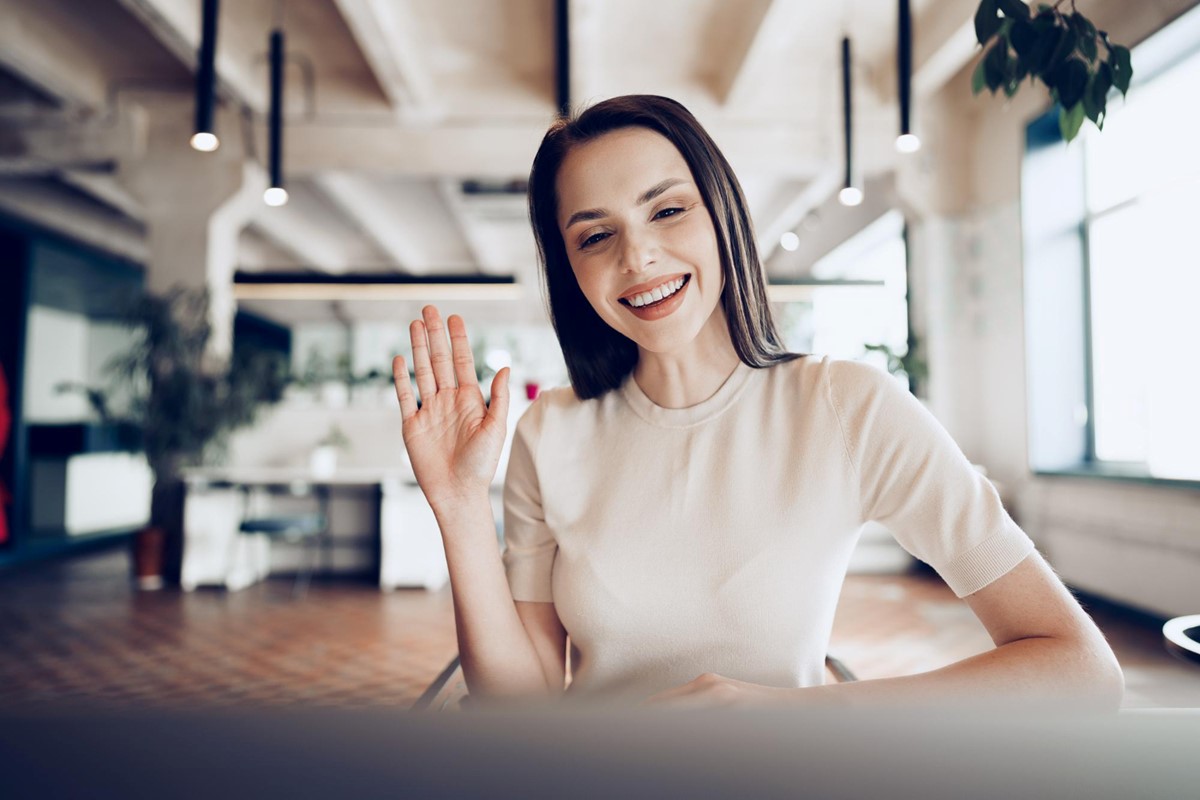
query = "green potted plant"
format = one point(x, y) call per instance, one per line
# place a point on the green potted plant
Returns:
point(185, 404)
point(1077, 62)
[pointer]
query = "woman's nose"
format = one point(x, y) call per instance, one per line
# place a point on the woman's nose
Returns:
point(638, 251)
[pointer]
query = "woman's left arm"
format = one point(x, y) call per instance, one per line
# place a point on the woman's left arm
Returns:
point(1049, 654)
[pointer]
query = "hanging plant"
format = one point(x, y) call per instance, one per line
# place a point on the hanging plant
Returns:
point(1063, 50)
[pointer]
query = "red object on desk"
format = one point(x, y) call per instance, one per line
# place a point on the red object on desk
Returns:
point(531, 391)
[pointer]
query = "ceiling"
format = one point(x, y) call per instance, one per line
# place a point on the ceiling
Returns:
point(393, 106)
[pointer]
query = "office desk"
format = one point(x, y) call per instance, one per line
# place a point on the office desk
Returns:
point(410, 545)
point(824, 753)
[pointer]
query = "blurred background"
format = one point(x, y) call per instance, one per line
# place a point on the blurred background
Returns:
point(218, 220)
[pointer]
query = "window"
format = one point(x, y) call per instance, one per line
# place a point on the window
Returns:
point(1128, 228)
point(840, 321)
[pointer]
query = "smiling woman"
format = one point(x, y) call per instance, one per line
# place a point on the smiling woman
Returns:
point(675, 201)
point(684, 513)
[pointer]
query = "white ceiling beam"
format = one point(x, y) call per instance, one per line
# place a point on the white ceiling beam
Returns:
point(748, 62)
point(451, 195)
point(50, 205)
point(297, 235)
point(46, 146)
point(369, 206)
point(384, 31)
point(789, 215)
point(36, 46)
point(176, 24)
point(106, 188)
point(507, 151)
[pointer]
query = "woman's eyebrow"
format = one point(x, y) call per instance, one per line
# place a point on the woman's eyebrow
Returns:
point(645, 197)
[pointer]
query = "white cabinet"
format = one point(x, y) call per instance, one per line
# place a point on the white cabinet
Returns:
point(410, 551)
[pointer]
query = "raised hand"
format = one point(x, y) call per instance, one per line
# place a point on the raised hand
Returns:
point(454, 440)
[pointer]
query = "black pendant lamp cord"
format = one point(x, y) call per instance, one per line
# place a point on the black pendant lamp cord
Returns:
point(904, 65)
point(275, 148)
point(847, 120)
point(206, 68)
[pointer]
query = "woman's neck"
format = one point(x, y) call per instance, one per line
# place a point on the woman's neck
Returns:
point(691, 376)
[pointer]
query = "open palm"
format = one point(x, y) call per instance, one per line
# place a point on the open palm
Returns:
point(454, 439)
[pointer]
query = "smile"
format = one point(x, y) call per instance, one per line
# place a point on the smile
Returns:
point(656, 295)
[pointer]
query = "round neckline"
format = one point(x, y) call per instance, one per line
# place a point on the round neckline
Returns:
point(658, 415)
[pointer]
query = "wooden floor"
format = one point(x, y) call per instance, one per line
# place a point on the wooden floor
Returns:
point(76, 632)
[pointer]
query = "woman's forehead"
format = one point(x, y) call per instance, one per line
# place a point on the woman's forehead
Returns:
point(616, 168)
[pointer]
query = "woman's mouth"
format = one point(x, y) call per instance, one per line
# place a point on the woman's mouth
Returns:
point(657, 309)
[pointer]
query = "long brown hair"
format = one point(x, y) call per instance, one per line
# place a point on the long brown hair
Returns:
point(599, 358)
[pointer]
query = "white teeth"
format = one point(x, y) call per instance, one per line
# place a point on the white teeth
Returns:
point(657, 293)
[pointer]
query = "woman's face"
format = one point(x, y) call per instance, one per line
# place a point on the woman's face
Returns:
point(640, 239)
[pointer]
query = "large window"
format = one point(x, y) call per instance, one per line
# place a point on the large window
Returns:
point(1134, 216)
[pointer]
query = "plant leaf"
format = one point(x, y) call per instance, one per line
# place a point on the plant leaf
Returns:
point(1014, 9)
point(1069, 122)
point(987, 22)
point(1024, 37)
point(1071, 79)
point(1095, 97)
point(1086, 33)
point(1122, 68)
point(994, 66)
point(978, 79)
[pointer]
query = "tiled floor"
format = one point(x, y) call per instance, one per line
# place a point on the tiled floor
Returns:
point(76, 632)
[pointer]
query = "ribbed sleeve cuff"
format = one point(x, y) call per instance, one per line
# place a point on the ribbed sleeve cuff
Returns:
point(992, 558)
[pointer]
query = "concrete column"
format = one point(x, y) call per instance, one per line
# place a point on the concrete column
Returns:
point(195, 205)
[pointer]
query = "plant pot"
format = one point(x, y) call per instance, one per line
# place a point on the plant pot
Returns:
point(148, 548)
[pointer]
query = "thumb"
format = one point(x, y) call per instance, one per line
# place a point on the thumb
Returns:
point(497, 413)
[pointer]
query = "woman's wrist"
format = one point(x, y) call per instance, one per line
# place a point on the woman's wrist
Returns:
point(452, 506)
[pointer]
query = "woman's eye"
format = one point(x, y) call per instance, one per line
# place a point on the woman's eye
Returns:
point(668, 212)
point(595, 238)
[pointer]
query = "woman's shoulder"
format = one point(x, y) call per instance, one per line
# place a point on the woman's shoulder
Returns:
point(841, 382)
point(815, 369)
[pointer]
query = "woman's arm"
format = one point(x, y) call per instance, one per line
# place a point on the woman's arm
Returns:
point(499, 657)
point(454, 441)
point(1049, 656)
point(1049, 653)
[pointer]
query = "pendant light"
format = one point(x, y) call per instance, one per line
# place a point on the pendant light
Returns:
point(204, 137)
point(850, 195)
point(276, 195)
point(907, 141)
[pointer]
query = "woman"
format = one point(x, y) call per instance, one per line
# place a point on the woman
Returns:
point(686, 510)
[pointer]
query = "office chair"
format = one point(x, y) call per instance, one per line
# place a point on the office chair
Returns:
point(310, 528)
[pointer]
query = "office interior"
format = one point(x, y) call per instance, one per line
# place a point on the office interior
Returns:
point(322, 169)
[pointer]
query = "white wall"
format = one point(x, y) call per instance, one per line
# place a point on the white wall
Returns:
point(1135, 543)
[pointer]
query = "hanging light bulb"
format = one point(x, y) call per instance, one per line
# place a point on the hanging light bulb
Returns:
point(276, 195)
point(907, 141)
point(850, 195)
point(204, 138)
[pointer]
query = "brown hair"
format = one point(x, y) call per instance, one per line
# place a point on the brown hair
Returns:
point(599, 358)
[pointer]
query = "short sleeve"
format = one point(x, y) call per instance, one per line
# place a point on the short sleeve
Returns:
point(914, 480)
point(529, 544)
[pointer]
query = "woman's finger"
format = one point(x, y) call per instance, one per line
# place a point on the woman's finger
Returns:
point(439, 349)
point(426, 384)
point(498, 407)
point(464, 360)
point(408, 405)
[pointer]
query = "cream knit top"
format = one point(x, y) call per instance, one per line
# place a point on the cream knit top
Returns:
point(715, 538)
